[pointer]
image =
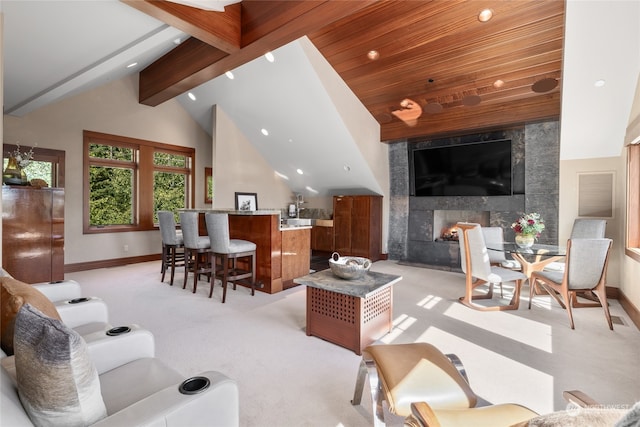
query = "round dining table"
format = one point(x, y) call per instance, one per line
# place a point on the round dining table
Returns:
point(531, 259)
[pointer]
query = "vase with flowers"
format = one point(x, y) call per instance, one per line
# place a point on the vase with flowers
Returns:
point(527, 228)
point(14, 172)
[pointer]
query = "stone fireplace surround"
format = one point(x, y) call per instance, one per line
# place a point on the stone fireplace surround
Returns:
point(416, 222)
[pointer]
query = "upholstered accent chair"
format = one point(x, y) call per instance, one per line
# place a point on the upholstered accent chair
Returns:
point(586, 271)
point(498, 258)
point(478, 270)
point(401, 374)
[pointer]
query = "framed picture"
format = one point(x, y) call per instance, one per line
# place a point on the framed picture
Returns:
point(246, 201)
point(208, 185)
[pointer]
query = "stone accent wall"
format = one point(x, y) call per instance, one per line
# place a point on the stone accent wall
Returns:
point(535, 162)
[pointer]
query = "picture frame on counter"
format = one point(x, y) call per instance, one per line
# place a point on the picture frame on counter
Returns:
point(246, 201)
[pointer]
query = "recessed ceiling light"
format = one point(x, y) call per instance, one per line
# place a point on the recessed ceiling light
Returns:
point(485, 15)
point(264, 132)
point(373, 55)
point(599, 83)
point(269, 56)
point(311, 189)
point(229, 74)
point(191, 96)
point(133, 64)
point(498, 84)
point(300, 171)
point(281, 175)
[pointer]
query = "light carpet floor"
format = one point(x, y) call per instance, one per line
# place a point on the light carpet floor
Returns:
point(287, 378)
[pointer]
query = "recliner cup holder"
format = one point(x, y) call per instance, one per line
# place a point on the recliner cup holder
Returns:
point(78, 300)
point(194, 385)
point(119, 330)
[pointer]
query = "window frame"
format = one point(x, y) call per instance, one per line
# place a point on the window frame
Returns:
point(632, 247)
point(143, 195)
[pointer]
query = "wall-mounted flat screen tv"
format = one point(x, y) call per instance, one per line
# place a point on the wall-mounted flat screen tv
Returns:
point(473, 169)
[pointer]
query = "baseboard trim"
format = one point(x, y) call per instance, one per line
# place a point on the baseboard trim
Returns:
point(629, 308)
point(116, 262)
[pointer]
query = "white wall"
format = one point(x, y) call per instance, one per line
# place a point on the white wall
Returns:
point(364, 129)
point(623, 271)
point(113, 109)
point(239, 167)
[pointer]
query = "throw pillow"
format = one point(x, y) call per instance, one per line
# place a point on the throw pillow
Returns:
point(14, 294)
point(57, 382)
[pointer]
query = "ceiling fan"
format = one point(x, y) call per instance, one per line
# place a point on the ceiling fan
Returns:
point(211, 5)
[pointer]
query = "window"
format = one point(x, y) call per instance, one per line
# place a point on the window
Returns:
point(633, 202)
point(128, 180)
point(47, 164)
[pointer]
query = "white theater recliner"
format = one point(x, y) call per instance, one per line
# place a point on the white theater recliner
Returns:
point(136, 388)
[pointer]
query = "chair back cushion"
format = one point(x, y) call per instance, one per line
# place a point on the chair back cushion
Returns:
point(588, 228)
point(494, 235)
point(13, 296)
point(218, 230)
point(587, 260)
point(57, 382)
point(167, 223)
point(189, 226)
point(480, 265)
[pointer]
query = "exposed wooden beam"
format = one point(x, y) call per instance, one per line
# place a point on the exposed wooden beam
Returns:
point(218, 29)
point(287, 22)
point(173, 69)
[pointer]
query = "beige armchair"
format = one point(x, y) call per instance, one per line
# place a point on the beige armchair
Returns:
point(402, 374)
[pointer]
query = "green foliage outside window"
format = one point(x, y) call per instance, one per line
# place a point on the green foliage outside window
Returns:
point(110, 196)
point(169, 192)
point(111, 152)
point(166, 159)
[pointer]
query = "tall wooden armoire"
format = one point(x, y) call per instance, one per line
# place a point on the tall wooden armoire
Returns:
point(33, 233)
point(357, 226)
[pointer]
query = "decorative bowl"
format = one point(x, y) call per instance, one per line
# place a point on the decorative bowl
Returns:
point(349, 267)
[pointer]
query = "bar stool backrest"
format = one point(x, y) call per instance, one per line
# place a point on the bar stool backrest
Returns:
point(189, 226)
point(167, 222)
point(218, 231)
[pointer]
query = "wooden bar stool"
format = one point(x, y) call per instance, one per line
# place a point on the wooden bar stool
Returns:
point(229, 250)
point(198, 259)
point(172, 244)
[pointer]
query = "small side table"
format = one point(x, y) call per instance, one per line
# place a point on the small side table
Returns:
point(349, 313)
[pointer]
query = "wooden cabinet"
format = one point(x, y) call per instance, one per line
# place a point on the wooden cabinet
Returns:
point(357, 226)
point(322, 238)
point(33, 233)
point(296, 255)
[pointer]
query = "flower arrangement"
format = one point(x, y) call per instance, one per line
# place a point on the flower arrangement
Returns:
point(23, 158)
point(529, 224)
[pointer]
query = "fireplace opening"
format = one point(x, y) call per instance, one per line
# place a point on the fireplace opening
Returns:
point(444, 223)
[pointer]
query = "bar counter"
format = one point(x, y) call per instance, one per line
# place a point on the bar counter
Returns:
point(283, 253)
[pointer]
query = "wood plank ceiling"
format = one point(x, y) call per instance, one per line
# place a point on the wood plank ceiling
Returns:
point(434, 53)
